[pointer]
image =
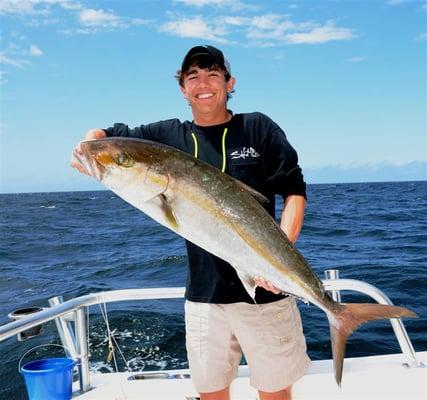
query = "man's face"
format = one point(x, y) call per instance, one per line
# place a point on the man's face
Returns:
point(206, 90)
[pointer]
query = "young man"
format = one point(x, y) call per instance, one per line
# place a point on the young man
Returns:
point(222, 320)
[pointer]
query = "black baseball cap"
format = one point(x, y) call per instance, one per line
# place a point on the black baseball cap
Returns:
point(205, 57)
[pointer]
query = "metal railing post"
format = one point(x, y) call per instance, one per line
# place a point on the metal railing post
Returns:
point(333, 274)
point(82, 347)
point(65, 330)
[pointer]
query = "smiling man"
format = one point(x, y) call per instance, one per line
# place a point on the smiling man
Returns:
point(222, 320)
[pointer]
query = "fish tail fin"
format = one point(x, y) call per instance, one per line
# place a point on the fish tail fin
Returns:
point(349, 318)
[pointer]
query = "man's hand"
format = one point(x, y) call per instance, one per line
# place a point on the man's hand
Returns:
point(93, 134)
point(259, 281)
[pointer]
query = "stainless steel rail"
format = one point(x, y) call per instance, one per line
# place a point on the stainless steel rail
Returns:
point(78, 307)
point(13, 328)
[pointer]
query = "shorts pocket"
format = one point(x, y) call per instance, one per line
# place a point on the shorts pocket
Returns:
point(193, 328)
point(279, 324)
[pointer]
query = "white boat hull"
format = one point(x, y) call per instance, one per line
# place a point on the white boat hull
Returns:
point(365, 378)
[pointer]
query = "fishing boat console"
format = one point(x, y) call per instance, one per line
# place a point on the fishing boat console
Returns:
point(395, 376)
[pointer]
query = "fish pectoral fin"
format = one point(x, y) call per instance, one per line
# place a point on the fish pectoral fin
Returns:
point(257, 195)
point(154, 184)
point(168, 212)
point(248, 283)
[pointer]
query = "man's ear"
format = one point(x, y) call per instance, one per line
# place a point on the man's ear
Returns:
point(230, 84)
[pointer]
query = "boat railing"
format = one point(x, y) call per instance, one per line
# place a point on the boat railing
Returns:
point(71, 316)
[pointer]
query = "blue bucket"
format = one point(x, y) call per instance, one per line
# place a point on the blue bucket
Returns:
point(51, 378)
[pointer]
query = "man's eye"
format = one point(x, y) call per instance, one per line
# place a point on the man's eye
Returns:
point(192, 78)
point(125, 160)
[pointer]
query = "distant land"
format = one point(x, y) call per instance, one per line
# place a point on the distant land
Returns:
point(379, 172)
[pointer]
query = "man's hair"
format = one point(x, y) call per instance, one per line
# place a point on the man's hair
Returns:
point(180, 75)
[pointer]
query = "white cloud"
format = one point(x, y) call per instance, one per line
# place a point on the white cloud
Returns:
point(71, 5)
point(35, 51)
point(98, 18)
point(17, 35)
point(270, 27)
point(422, 36)
point(267, 29)
point(17, 7)
point(278, 29)
point(400, 2)
point(39, 12)
point(356, 59)
point(3, 81)
point(7, 60)
point(34, 7)
point(261, 30)
point(268, 22)
point(397, 2)
point(320, 34)
point(17, 56)
point(195, 27)
point(94, 21)
point(234, 21)
point(233, 4)
point(201, 3)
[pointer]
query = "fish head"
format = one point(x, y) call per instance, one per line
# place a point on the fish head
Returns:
point(125, 165)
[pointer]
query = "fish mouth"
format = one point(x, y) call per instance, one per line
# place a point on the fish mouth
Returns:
point(90, 163)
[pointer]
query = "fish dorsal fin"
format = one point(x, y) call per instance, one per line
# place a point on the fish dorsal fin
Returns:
point(257, 195)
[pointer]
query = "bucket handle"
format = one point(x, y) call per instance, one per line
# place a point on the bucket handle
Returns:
point(36, 347)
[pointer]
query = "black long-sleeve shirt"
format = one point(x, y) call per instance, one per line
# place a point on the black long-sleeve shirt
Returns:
point(250, 147)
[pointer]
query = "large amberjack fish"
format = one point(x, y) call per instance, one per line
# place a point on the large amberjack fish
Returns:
point(225, 217)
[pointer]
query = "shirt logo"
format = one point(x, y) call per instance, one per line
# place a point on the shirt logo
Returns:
point(246, 152)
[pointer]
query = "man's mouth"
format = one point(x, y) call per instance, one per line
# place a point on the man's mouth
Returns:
point(204, 96)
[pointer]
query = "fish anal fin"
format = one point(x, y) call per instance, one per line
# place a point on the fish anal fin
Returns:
point(349, 318)
point(248, 283)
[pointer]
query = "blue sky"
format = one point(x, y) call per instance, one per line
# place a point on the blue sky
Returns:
point(346, 80)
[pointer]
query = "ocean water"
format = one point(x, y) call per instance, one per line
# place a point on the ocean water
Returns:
point(71, 244)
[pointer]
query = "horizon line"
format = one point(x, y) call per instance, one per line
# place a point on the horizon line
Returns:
point(308, 184)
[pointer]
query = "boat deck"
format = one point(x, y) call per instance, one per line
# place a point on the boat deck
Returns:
point(366, 378)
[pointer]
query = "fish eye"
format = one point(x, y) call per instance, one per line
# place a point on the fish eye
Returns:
point(125, 160)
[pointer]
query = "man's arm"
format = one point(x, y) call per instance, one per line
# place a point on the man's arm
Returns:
point(293, 216)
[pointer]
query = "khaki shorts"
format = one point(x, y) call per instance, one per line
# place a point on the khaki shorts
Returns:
point(270, 336)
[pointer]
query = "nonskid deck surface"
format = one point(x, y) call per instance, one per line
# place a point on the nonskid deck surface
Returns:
point(365, 378)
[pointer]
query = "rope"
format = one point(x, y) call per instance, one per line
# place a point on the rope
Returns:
point(111, 354)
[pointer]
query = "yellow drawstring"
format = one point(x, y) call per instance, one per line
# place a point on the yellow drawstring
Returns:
point(224, 154)
point(196, 145)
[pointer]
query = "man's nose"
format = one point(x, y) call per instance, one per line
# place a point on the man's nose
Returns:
point(203, 81)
